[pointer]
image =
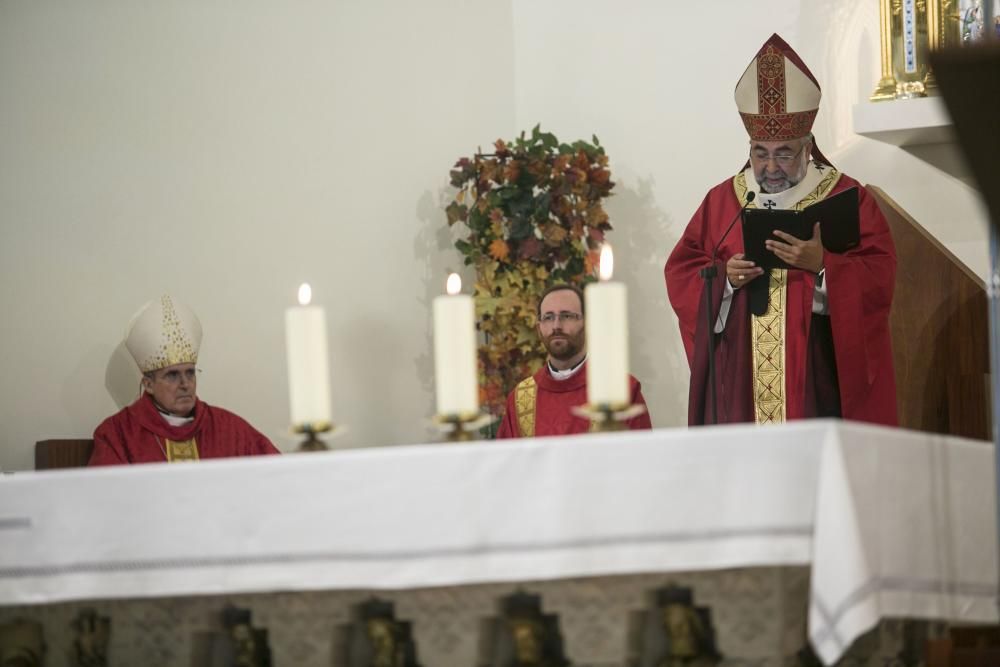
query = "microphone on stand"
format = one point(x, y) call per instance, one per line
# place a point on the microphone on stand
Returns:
point(708, 274)
point(750, 197)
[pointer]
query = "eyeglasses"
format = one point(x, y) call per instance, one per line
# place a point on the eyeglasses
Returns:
point(783, 159)
point(174, 376)
point(564, 317)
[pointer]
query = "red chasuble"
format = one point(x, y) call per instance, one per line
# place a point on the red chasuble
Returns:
point(139, 434)
point(542, 405)
point(754, 366)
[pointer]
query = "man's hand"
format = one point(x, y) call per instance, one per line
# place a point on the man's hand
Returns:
point(741, 271)
point(795, 252)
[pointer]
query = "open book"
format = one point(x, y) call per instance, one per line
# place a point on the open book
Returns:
point(837, 215)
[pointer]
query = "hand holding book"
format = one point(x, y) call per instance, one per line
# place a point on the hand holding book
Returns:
point(795, 252)
point(789, 239)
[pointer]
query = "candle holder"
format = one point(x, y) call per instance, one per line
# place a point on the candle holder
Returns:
point(312, 443)
point(461, 427)
point(608, 417)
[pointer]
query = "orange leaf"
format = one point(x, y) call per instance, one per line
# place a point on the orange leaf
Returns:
point(499, 250)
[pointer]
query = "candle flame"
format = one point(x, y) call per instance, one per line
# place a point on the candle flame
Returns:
point(454, 284)
point(305, 294)
point(607, 262)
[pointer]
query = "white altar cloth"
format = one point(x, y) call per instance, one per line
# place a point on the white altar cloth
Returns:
point(893, 523)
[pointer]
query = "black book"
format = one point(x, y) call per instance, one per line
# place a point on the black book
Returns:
point(836, 215)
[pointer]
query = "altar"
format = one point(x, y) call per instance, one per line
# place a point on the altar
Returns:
point(817, 529)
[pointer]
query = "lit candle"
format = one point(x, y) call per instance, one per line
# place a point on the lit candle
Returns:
point(455, 351)
point(308, 368)
point(607, 337)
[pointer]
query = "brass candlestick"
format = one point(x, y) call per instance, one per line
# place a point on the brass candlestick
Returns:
point(608, 417)
point(461, 427)
point(312, 442)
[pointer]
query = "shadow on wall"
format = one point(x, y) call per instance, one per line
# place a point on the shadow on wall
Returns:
point(435, 243)
point(947, 158)
point(643, 236)
point(121, 377)
point(84, 407)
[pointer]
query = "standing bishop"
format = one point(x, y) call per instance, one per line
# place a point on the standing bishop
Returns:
point(812, 341)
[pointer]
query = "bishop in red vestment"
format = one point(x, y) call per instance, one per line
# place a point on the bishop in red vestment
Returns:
point(541, 404)
point(168, 422)
point(142, 434)
point(810, 341)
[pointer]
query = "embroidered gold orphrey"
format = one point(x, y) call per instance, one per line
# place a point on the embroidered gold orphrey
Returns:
point(767, 331)
point(182, 450)
point(525, 395)
point(524, 404)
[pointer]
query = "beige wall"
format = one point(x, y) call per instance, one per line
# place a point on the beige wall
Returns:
point(225, 152)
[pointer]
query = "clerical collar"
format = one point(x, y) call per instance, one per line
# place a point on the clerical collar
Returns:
point(566, 374)
point(793, 195)
point(173, 420)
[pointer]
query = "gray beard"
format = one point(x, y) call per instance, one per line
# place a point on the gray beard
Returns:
point(787, 185)
point(790, 182)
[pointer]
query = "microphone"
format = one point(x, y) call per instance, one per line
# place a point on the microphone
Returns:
point(750, 197)
point(708, 273)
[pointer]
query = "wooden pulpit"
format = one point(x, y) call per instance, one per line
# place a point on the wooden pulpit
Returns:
point(940, 333)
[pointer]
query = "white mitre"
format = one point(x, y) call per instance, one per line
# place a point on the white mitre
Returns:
point(163, 333)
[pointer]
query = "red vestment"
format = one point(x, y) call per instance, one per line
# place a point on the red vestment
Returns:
point(859, 295)
point(553, 400)
point(131, 435)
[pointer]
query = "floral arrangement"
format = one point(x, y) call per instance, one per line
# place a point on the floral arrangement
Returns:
point(534, 217)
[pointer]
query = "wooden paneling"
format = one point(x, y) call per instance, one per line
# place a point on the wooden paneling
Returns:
point(62, 453)
point(940, 333)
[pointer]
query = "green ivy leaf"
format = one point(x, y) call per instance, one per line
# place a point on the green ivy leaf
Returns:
point(521, 229)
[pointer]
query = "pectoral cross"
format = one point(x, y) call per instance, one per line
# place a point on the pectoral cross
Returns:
point(769, 204)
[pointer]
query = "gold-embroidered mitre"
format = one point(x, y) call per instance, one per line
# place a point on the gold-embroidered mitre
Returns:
point(777, 96)
point(163, 333)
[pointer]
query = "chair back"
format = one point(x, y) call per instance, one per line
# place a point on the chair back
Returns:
point(51, 454)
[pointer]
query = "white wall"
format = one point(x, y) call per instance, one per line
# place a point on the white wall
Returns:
point(654, 80)
point(225, 152)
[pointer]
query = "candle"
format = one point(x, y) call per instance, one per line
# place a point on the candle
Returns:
point(607, 338)
point(308, 368)
point(455, 351)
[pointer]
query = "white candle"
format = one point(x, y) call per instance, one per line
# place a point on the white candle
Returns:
point(607, 338)
point(455, 351)
point(308, 367)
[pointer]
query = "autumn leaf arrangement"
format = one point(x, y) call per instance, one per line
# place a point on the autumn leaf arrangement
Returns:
point(533, 214)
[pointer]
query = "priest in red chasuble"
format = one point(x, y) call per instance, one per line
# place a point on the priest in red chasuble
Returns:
point(812, 341)
point(168, 422)
point(540, 405)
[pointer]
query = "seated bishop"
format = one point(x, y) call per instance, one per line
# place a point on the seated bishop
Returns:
point(168, 422)
point(542, 404)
